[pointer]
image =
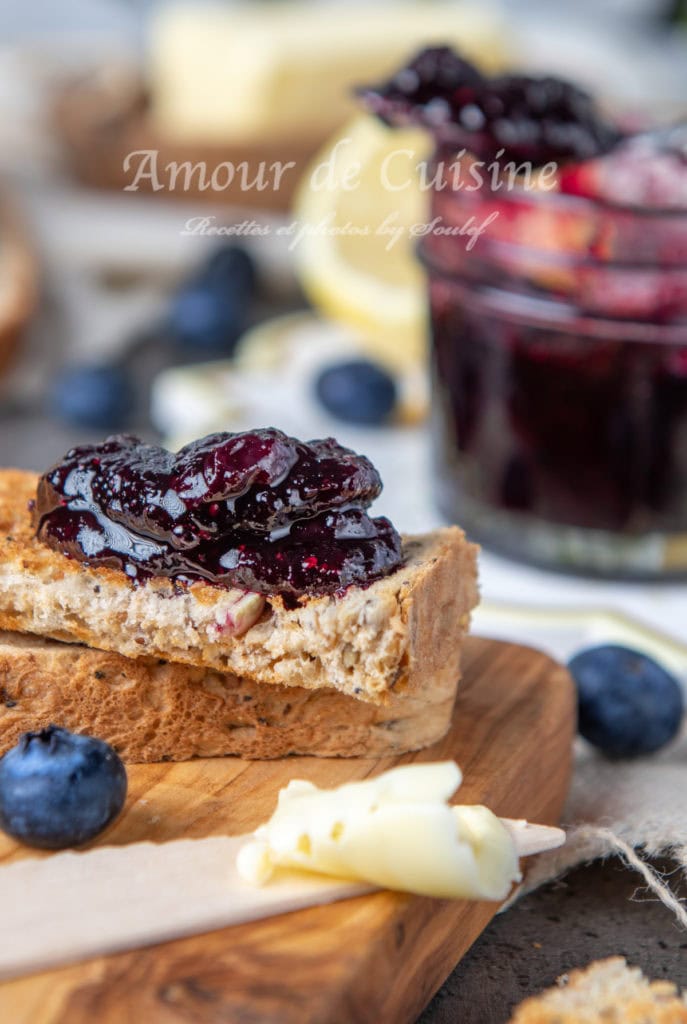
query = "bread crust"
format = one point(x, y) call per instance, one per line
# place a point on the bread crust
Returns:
point(151, 710)
point(605, 991)
point(400, 636)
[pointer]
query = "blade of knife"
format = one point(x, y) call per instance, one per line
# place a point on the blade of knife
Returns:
point(73, 906)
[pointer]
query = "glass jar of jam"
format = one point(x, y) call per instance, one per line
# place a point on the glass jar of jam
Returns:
point(556, 255)
point(559, 356)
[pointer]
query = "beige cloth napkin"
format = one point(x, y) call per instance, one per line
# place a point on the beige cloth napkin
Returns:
point(633, 809)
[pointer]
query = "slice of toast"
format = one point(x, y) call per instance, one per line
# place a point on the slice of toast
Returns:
point(401, 634)
point(151, 710)
point(604, 992)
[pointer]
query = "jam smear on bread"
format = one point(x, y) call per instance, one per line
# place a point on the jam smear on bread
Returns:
point(258, 511)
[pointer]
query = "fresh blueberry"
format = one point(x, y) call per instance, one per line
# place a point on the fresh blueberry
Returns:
point(231, 267)
point(358, 391)
point(627, 704)
point(206, 318)
point(93, 396)
point(58, 789)
point(209, 312)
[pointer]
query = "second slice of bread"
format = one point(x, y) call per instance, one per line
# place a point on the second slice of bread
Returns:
point(401, 635)
point(151, 710)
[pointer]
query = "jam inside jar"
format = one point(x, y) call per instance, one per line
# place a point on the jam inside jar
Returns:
point(559, 361)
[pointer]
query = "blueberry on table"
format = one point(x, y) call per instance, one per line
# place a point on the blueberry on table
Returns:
point(627, 704)
point(204, 317)
point(357, 391)
point(58, 789)
point(93, 396)
point(209, 312)
point(231, 267)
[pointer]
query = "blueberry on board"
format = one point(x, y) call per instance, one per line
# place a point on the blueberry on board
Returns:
point(205, 317)
point(93, 396)
point(627, 704)
point(357, 391)
point(58, 789)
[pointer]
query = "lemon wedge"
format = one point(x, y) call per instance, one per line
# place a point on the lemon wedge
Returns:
point(356, 217)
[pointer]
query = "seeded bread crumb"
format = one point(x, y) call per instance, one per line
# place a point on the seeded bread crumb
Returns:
point(606, 992)
point(401, 635)
point(156, 711)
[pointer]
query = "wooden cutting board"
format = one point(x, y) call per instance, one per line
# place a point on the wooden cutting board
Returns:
point(369, 960)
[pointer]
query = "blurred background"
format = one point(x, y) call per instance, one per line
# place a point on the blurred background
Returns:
point(129, 304)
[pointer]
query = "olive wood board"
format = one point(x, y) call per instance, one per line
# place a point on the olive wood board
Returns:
point(372, 958)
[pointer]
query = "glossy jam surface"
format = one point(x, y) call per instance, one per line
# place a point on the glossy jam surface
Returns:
point(524, 118)
point(259, 511)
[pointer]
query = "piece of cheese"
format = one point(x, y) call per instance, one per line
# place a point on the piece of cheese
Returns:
point(268, 73)
point(396, 831)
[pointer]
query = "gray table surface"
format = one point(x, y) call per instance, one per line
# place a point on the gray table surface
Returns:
point(594, 912)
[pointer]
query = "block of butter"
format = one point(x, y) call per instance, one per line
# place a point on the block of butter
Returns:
point(268, 72)
point(396, 831)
